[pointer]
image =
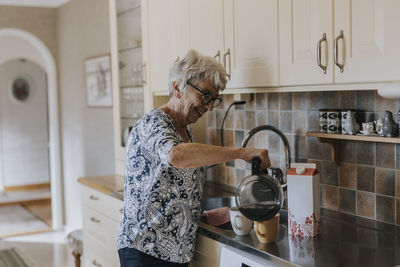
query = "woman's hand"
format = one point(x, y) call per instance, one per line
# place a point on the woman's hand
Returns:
point(250, 153)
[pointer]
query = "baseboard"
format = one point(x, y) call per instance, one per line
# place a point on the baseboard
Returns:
point(26, 187)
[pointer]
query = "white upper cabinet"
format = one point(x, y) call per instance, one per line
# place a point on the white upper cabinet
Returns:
point(245, 33)
point(207, 27)
point(370, 48)
point(303, 25)
point(251, 39)
point(362, 48)
point(167, 33)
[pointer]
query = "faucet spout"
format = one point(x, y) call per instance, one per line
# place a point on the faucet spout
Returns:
point(279, 133)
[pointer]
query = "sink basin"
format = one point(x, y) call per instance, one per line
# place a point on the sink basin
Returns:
point(217, 202)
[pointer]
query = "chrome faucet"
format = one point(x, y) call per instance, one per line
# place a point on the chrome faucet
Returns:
point(276, 172)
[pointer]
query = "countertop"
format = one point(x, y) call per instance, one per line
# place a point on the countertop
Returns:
point(345, 240)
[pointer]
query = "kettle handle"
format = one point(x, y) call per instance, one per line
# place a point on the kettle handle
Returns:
point(255, 166)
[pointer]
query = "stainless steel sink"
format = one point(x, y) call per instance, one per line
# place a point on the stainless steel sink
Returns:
point(217, 202)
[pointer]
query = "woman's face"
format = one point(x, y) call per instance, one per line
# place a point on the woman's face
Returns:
point(193, 107)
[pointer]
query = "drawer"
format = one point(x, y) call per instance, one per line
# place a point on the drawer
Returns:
point(93, 259)
point(209, 247)
point(96, 200)
point(100, 227)
point(101, 249)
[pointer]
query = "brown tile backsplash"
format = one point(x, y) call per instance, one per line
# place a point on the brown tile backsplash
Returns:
point(385, 181)
point(348, 176)
point(366, 178)
point(366, 182)
point(385, 208)
point(366, 204)
point(385, 153)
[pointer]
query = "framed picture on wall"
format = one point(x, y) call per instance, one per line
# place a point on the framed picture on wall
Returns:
point(98, 81)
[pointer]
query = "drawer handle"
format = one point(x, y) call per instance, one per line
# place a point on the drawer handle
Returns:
point(121, 210)
point(93, 219)
point(93, 197)
point(95, 263)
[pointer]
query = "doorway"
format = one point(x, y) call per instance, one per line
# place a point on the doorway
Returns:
point(24, 149)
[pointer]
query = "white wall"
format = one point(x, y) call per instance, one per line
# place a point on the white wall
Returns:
point(87, 133)
point(24, 126)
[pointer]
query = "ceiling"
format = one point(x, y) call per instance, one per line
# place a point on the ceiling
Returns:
point(35, 3)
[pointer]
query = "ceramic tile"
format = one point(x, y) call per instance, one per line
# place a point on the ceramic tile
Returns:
point(366, 100)
point(347, 200)
point(365, 153)
point(383, 104)
point(366, 178)
point(211, 119)
point(239, 176)
point(318, 164)
point(285, 121)
point(314, 148)
point(262, 101)
point(229, 138)
point(229, 121)
point(261, 118)
point(299, 146)
point(329, 173)
point(260, 140)
point(397, 183)
point(250, 120)
point(239, 135)
point(385, 181)
point(312, 121)
point(326, 152)
point(329, 99)
point(348, 152)
point(250, 102)
point(398, 156)
point(273, 101)
point(348, 175)
point(366, 204)
point(239, 119)
point(227, 100)
point(315, 99)
point(285, 101)
point(274, 142)
point(385, 155)
point(385, 209)
point(347, 99)
point(397, 210)
point(211, 136)
point(330, 197)
point(273, 118)
point(300, 101)
point(300, 122)
point(362, 116)
point(229, 177)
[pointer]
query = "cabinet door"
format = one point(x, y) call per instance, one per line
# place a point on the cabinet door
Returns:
point(167, 39)
point(206, 22)
point(302, 23)
point(251, 35)
point(370, 48)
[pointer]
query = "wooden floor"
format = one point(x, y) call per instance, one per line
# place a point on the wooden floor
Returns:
point(41, 209)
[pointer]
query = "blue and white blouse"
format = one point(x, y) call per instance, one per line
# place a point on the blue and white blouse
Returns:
point(161, 202)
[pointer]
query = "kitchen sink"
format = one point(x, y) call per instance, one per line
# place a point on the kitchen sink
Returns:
point(218, 202)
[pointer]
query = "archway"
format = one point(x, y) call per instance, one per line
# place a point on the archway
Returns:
point(15, 43)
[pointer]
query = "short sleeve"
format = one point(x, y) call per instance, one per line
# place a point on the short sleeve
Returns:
point(165, 137)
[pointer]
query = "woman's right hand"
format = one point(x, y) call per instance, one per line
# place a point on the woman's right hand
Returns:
point(250, 153)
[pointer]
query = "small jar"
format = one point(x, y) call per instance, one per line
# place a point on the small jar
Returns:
point(323, 120)
point(333, 121)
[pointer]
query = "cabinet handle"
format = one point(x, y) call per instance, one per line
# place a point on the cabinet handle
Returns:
point(228, 53)
point(95, 263)
point(93, 197)
point(177, 59)
point(336, 52)
point(218, 55)
point(144, 73)
point(93, 219)
point(323, 39)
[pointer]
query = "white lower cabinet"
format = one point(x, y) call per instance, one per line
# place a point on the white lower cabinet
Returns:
point(207, 252)
point(101, 218)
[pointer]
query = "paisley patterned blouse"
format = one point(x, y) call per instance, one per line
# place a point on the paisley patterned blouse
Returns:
point(161, 202)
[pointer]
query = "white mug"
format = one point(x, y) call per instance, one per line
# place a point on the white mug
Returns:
point(240, 224)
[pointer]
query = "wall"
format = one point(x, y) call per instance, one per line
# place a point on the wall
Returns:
point(366, 183)
point(87, 133)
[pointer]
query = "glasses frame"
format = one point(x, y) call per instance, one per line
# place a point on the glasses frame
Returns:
point(204, 94)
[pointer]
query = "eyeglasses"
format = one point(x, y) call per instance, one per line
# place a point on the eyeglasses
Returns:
point(206, 97)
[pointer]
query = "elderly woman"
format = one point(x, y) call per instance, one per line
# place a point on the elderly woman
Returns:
point(164, 168)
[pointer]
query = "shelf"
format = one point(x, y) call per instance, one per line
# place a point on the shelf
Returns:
point(133, 48)
point(357, 137)
point(120, 12)
point(334, 139)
